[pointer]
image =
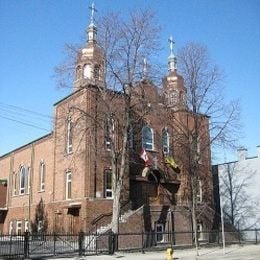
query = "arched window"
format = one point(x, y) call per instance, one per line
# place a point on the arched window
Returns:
point(11, 228)
point(87, 71)
point(159, 227)
point(69, 135)
point(78, 72)
point(173, 96)
point(19, 227)
point(26, 226)
point(110, 127)
point(131, 137)
point(147, 138)
point(22, 179)
point(42, 173)
point(165, 141)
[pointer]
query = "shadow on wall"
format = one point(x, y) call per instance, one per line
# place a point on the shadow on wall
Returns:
point(40, 222)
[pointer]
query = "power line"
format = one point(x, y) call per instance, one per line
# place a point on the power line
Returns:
point(24, 123)
point(22, 114)
point(25, 109)
point(25, 116)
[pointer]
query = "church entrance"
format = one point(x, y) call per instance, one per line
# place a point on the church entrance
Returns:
point(73, 220)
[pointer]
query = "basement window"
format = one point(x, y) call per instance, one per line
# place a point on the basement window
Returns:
point(159, 228)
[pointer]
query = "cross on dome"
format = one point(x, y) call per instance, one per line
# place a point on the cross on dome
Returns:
point(93, 9)
point(92, 30)
point(172, 62)
point(172, 42)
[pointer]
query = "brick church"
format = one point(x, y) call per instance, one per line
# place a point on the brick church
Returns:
point(62, 182)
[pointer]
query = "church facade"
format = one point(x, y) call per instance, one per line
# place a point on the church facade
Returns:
point(63, 181)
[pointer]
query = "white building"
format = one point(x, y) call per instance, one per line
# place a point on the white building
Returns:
point(239, 182)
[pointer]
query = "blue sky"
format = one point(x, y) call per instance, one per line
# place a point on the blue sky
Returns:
point(33, 34)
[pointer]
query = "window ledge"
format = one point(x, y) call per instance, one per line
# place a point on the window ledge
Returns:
point(151, 150)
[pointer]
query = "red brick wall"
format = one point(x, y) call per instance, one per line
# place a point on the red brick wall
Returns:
point(28, 156)
point(89, 159)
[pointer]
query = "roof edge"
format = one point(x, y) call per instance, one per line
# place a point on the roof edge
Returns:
point(23, 146)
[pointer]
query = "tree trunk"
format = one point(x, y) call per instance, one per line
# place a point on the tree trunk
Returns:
point(118, 177)
point(194, 218)
point(116, 210)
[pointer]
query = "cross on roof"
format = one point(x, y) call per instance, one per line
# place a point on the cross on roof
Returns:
point(93, 9)
point(172, 42)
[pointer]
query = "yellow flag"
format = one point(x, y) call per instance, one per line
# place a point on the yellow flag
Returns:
point(169, 160)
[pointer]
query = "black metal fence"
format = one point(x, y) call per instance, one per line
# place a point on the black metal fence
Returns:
point(46, 245)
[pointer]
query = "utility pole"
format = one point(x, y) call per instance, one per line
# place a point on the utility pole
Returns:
point(222, 227)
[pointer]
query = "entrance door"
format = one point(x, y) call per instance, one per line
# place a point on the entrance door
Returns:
point(73, 218)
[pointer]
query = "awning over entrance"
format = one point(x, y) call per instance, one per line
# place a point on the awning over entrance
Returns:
point(155, 175)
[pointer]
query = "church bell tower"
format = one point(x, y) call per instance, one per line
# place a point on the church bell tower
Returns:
point(89, 68)
point(174, 90)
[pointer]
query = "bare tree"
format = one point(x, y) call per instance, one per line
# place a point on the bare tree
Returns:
point(209, 113)
point(126, 43)
point(238, 206)
point(64, 72)
point(205, 94)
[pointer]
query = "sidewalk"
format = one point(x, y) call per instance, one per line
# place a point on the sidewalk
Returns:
point(235, 252)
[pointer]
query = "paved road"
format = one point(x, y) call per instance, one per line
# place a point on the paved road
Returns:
point(246, 252)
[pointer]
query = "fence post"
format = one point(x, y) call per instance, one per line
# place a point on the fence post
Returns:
point(81, 239)
point(111, 242)
point(26, 244)
point(171, 237)
point(256, 236)
point(96, 242)
point(142, 241)
point(10, 244)
point(54, 243)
